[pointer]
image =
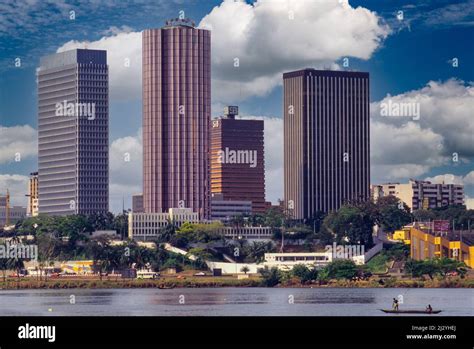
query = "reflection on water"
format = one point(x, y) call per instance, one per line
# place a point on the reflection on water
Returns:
point(232, 301)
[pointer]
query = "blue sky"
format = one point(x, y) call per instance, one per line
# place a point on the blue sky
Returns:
point(408, 60)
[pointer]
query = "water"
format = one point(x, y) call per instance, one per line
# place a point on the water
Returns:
point(231, 302)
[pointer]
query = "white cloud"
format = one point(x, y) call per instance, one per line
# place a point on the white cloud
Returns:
point(124, 57)
point(469, 178)
point(270, 37)
point(402, 147)
point(273, 143)
point(125, 170)
point(447, 178)
point(320, 33)
point(15, 140)
point(469, 202)
point(18, 187)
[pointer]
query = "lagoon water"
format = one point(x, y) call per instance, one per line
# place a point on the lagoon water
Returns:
point(231, 302)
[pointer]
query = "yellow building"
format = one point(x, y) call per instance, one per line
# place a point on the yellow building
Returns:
point(78, 267)
point(32, 208)
point(426, 245)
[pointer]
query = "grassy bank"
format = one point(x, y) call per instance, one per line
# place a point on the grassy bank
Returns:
point(196, 282)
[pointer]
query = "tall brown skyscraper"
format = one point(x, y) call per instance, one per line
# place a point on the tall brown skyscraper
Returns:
point(176, 117)
point(237, 159)
point(326, 140)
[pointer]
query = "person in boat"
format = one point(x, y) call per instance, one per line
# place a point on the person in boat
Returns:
point(395, 304)
point(429, 309)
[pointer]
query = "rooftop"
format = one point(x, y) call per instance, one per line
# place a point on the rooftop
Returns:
point(326, 73)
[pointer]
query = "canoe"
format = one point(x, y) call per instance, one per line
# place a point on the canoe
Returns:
point(408, 311)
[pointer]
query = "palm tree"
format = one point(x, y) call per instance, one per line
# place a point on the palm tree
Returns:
point(245, 269)
point(5, 264)
point(18, 265)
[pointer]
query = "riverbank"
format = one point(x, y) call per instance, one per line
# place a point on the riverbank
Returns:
point(206, 282)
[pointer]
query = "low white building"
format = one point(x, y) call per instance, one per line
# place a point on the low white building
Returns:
point(247, 233)
point(286, 261)
point(146, 226)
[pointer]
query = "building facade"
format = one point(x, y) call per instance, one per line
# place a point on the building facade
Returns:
point(146, 226)
point(225, 210)
point(32, 208)
point(11, 215)
point(424, 194)
point(237, 159)
point(137, 203)
point(326, 140)
point(427, 243)
point(73, 133)
point(176, 117)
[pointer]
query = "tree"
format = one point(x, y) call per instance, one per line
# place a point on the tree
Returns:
point(274, 218)
point(5, 264)
point(341, 269)
point(18, 265)
point(448, 265)
point(48, 246)
point(200, 253)
point(245, 269)
point(101, 220)
point(392, 214)
point(255, 251)
point(353, 223)
point(166, 233)
point(120, 224)
point(304, 273)
point(419, 268)
point(270, 276)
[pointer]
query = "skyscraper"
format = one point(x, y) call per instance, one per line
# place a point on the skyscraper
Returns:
point(73, 133)
point(176, 117)
point(237, 159)
point(326, 140)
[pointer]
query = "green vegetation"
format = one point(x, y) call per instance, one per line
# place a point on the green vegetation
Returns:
point(270, 276)
point(352, 224)
point(380, 263)
point(437, 266)
point(304, 274)
point(341, 269)
point(457, 213)
point(190, 233)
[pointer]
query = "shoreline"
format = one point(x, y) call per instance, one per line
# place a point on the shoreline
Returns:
point(221, 282)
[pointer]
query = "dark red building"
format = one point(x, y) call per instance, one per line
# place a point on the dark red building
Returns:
point(237, 159)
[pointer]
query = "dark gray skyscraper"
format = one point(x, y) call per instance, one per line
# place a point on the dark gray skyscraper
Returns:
point(326, 140)
point(73, 133)
point(176, 117)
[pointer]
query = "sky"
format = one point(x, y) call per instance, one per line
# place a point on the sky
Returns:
point(418, 53)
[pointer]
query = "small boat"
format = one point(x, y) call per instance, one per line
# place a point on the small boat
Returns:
point(410, 311)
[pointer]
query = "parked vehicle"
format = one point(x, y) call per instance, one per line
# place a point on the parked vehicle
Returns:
point(147, 274)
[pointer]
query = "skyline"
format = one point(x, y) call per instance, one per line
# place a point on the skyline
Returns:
point(418, 149)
